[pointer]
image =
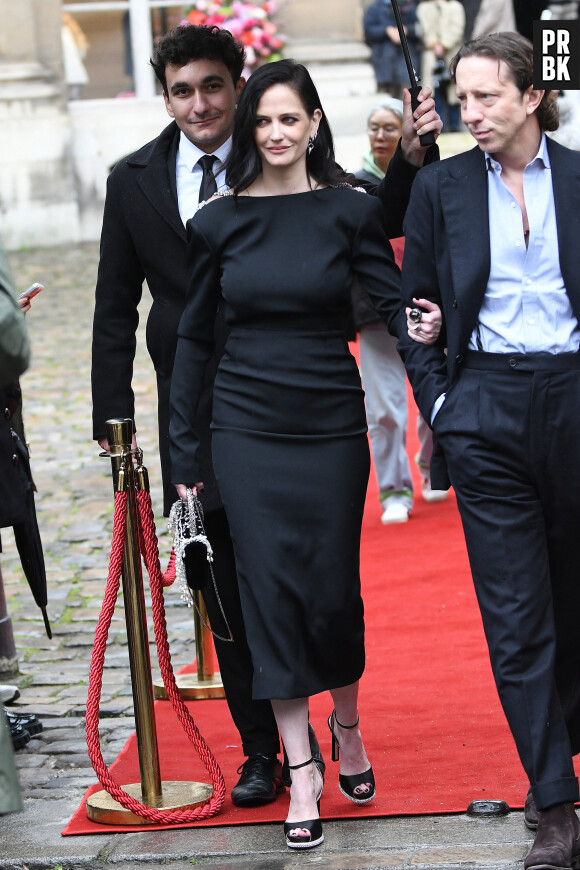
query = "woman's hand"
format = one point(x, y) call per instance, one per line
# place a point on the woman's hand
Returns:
point(182, 489)
point(426, 329)
point(24, 303)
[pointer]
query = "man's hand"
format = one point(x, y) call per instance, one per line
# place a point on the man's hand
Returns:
point(424, 120)
point(104, 444)
point(425, 330)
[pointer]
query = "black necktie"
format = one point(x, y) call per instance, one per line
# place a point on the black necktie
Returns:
point(208, 184)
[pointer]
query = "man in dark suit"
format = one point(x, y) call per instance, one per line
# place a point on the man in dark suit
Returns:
point(492, 237)
point(150, 196)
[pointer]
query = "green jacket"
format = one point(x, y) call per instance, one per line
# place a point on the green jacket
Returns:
point(10, 800)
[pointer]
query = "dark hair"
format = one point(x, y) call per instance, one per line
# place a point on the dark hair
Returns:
point(517, 53)
point(244, 163)
point(190, 42)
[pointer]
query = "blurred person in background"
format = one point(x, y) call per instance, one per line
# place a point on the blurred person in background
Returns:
point(14, 359)
point(74, 50)
point(494, 16)
point(442, 31)
point(563, 10)
point(471, 8)
point(382, 36)
point(382, 371)
point(15, 499)
point(568, 132)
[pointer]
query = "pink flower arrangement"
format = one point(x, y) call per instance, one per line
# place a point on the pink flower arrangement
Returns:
point(249, 22)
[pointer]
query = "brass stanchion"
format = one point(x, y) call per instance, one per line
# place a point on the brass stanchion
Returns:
point(101, 807)
point(206, 683)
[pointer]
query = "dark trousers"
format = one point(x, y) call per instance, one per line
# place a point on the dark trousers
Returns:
point(169, 491)
point(510, 434)
point(254, 719)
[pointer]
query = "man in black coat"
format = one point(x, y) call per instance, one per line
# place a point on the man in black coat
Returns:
point(150, 196)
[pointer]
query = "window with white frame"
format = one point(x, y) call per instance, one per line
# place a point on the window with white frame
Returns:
point(120, 36)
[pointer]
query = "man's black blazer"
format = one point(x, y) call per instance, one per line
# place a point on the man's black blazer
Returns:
point(447, 257)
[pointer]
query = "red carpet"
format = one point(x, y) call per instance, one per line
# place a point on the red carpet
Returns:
point(431, 720)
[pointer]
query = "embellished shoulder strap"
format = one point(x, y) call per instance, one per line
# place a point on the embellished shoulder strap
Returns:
point(349, 186)
point(219, 195)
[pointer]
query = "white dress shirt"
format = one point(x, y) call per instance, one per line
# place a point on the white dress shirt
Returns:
point(189, 174)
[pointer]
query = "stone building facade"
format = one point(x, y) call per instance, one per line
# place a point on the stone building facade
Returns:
point(55, 153)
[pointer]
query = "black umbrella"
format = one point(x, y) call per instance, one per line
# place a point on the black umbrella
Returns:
point(425, 138)
point(27, 534)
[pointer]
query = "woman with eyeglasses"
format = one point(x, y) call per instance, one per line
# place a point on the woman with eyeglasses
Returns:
point(382, 372)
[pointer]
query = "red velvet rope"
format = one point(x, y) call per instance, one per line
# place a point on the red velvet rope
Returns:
point(150, 553)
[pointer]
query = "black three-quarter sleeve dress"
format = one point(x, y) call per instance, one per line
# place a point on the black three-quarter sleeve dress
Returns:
point(289, 440)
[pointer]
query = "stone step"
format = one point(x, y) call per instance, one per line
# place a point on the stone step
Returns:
point(341, 80)
point(331, 51)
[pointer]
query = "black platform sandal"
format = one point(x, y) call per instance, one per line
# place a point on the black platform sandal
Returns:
point(315, 836)
point(348, 785)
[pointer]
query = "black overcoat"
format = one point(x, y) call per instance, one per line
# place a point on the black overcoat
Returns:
point(143, 239)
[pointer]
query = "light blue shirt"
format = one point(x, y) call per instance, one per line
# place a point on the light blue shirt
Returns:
point(189, 174)
point(526, 308)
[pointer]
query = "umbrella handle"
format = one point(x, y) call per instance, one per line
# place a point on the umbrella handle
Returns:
point(426, 138)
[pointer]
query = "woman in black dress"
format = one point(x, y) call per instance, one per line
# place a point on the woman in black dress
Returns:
point(278, 253)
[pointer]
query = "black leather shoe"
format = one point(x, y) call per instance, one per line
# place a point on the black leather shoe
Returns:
point(260, 781)
point(26, 720)
point(316, 753)
point(530, 812)
point(557, 842)
point(20, 736)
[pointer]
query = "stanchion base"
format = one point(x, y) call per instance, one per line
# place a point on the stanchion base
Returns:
point(103, 808)
point(191, 688)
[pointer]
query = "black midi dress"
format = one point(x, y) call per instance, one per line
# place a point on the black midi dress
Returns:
point(289, 441)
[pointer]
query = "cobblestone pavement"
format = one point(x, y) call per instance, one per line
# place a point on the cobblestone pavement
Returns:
point(75, 508)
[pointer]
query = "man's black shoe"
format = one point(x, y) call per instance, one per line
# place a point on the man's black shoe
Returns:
point(20, 736)
point(260, 781)
point(315, 752)
point(530, 812)
point(26, 720)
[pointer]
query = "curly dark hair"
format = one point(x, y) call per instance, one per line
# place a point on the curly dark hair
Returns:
point(517, 53)
point(189, 42)
point(244, 163)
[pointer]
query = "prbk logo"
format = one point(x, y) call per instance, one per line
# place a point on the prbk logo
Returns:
point(557, 55)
